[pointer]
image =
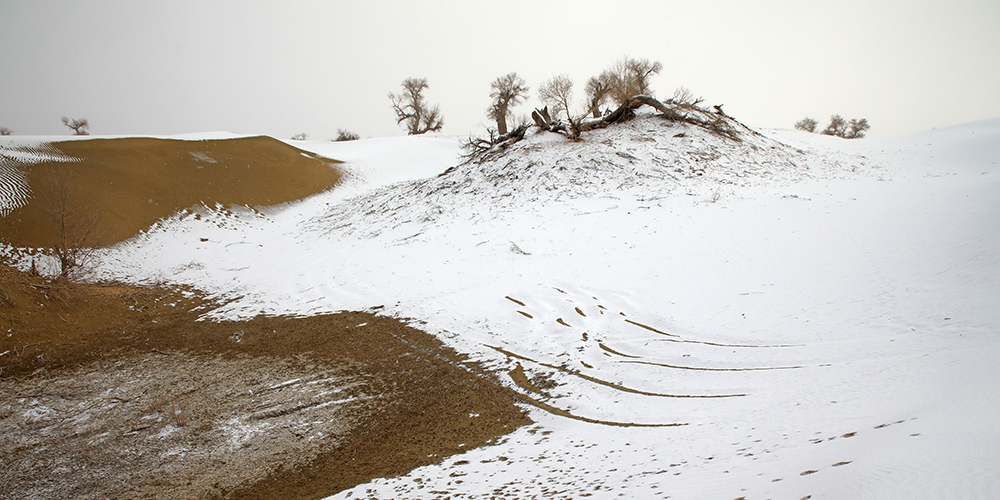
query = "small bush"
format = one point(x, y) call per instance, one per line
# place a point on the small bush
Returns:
point(346, 135)
point(807, 124)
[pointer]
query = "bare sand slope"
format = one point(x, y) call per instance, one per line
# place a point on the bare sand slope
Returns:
point(126, 185)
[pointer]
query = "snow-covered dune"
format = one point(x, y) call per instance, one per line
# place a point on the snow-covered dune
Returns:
point(695, 317)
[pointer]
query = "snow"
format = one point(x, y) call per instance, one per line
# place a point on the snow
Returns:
point(792, 315)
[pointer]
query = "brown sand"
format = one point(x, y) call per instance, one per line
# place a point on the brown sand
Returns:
point(129, 184)
point(118, 392)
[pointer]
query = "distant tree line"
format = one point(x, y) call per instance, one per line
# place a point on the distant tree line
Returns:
point(625, 79)
point(853, 129)
point(342, 135)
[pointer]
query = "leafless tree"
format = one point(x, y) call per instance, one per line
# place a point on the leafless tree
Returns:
point(856, 128)
point(558, 93)
point(684, 97)
point(411, 108)
point(630, 77)
point(508, 91)
point(79, 126)
point(346, 135)
point(837, 126)
point(597, 90)
point(73, 224)
point(807, 124)
point(5, 131)
point(300, 137)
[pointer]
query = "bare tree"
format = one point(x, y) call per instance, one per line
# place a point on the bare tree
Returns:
point(300, 137)
point(837, 126)
point(597, 90)
point(5, 131)
point(508, 91)
point(856, 128)
point(684, 97)
point(558, 93)
point(630, 77)
point(807, 124)
point(346, 135)
point(411, 108)
point(73, 225)
point(79, 126)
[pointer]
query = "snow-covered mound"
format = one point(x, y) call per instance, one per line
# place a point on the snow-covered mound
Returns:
point(811, 320)
point(646, 158)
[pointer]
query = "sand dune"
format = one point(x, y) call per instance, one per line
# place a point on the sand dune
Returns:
point(128, 184)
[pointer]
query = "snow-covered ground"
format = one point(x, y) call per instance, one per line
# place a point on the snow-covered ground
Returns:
point(793, 315)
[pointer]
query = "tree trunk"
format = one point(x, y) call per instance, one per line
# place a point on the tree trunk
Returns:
point(502, 119)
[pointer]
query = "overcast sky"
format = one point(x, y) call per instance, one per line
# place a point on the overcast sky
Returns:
point(288, 67)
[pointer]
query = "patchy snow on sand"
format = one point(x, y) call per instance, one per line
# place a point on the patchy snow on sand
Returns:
point(787, 316)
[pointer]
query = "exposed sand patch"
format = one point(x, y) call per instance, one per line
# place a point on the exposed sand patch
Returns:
point(129, 184)
point(119, 392)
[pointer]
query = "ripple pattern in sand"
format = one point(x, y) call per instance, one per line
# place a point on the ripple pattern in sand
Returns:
point(14, 188)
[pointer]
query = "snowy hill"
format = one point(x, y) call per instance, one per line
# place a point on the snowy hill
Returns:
point(648, 158)
point(693, 317)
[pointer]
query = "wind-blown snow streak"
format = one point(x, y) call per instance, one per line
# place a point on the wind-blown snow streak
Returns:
point(14, 188)
point(820, 313)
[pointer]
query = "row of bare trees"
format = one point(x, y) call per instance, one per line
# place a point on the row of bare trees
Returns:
point(342, 135)
point(624, 80)
point(839, 127)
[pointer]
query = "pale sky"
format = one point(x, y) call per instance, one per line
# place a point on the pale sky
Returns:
point(287, 67)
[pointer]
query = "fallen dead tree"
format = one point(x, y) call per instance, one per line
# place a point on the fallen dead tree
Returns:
point(479, 149)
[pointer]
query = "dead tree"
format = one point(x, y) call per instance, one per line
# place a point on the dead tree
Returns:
point(630, 77)
point(856, 128)
point(597, 90)
point(807, 124)
point(79, 126)
point(508, 91)
point(73, 225)
point(412, 109)
point(557, 92)
point(542, 118)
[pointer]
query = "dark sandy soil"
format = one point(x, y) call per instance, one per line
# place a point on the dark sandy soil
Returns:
point(120, 392)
